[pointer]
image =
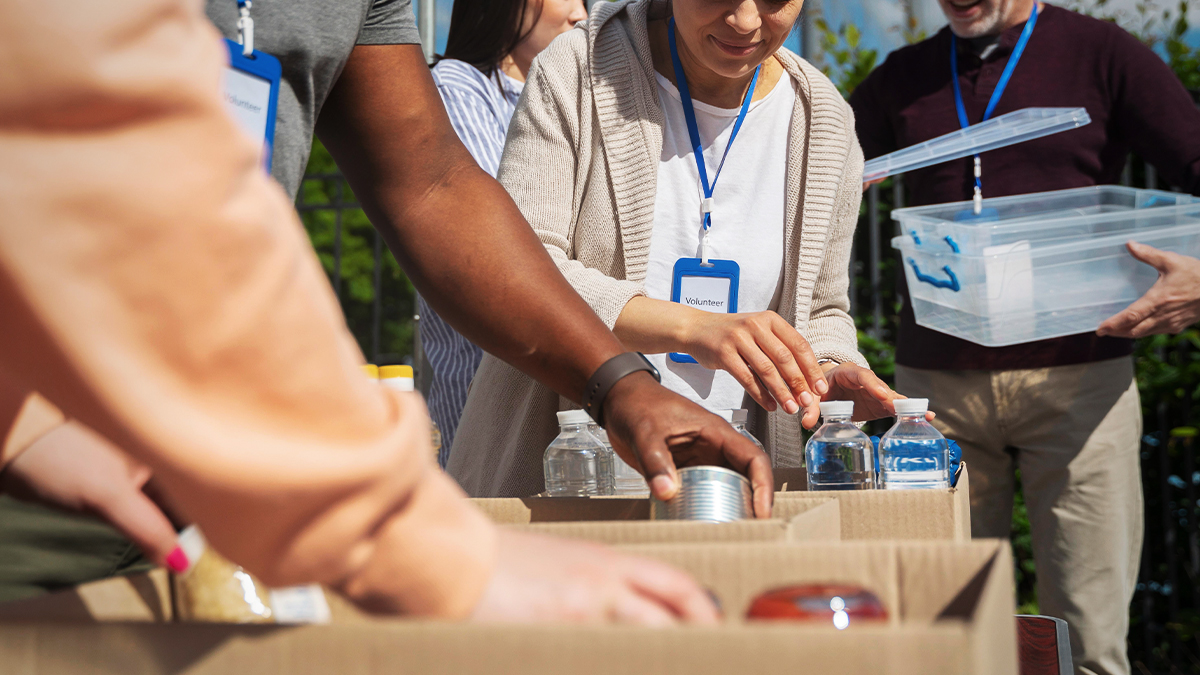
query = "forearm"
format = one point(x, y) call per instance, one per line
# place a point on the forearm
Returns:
point(654, 326)
point(175, 306)
point(457, 233)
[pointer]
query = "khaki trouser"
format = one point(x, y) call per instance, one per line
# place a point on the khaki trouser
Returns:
point(1073, 431)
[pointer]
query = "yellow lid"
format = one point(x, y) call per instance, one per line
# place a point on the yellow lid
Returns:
point(388, 372)
point(371, 370)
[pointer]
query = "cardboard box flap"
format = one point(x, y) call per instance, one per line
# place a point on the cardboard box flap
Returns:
point(137, 597)
point(437, 649)
point(514, 511)
point(738, 573)
point(809, 520)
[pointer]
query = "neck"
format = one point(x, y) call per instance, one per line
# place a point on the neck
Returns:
point(1019, 14)
point(703, 84)
point(516, 67)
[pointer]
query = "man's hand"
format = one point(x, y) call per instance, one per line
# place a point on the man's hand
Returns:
point(74, 469)
point(872, 398)
point(540, 578)
point(1170, 306)
point(657, 430)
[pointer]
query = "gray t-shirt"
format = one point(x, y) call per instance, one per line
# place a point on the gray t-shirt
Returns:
point(312, 40)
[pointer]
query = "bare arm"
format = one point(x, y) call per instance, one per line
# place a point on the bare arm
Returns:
point(452, 227)
point(475, 259)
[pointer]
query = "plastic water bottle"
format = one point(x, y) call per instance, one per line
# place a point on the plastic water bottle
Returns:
point(738, 419)
point(571, 464)
point(605, 462)
point(626, 481)
point(839, 456)
point(912, 454)
point(401, 378)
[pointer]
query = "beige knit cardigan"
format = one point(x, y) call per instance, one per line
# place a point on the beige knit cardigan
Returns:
point(581, 162)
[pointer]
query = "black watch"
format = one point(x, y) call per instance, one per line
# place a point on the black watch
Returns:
point(609, 374)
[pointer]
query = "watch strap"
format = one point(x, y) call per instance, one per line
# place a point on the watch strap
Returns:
point(607, 375)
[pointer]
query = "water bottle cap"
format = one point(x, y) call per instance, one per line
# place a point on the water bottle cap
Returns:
point(740, 416)
point(911, 406)
point(573, 417)
point(840, 408)
point(726, 415)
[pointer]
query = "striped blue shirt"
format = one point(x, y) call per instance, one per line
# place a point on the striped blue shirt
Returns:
point(480, 109)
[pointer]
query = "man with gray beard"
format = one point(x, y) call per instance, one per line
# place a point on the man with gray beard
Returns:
point(1065, 411)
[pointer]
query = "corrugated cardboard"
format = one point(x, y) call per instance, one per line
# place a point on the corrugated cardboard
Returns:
point(889, 514)
point(810, 520)
point(866, 514)
point(950, 604)
point(137, 597)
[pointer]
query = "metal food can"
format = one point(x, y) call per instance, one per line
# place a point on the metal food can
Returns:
point(709, 494)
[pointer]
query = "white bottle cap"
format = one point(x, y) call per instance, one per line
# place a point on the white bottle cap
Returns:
point(740, 416)
point(726, 415)
point(566, 417)
point(839, 408)
point(911, 406)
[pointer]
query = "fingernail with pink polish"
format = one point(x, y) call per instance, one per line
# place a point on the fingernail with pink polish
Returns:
point(177, 561)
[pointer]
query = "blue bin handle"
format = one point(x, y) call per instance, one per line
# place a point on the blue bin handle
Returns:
point(951, 242)
point(952, 284)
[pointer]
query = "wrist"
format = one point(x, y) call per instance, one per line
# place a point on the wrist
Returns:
point(607, 376)
point(623, 390)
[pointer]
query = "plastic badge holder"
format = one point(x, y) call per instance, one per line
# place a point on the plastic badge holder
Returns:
point(1008, 129)
point(1041, 218)
point(1044, 285)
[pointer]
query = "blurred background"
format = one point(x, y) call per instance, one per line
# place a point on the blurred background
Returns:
point(847, 39)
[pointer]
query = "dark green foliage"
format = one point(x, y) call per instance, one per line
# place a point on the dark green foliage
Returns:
point(357, 274)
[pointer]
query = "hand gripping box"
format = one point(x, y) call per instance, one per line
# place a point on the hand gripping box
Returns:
point(950, 609)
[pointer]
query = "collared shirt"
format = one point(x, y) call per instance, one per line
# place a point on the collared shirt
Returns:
point(480, 108)
point(1136, 104)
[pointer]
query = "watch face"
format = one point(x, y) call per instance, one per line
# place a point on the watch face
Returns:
point(653, 370)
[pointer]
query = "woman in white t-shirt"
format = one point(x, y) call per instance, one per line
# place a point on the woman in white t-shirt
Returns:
point(600, 160)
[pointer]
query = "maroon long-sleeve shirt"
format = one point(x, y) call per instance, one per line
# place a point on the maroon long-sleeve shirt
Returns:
point(1136, 104)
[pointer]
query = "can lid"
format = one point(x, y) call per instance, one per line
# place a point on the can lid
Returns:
point(740, 416)
point(839, 408)
point(566, 417)
point(726, 415)
point(911, 406)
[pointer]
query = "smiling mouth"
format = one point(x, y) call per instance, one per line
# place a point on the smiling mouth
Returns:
point(739, 50)
point(963, 7)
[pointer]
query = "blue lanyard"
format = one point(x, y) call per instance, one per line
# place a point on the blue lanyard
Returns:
point(689, 112)
point(1005, 76)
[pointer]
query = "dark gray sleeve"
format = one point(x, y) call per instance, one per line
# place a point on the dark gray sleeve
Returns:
point(390, 22)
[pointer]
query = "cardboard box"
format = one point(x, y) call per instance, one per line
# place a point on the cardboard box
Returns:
point(807, 520)
point(950, 605)
point(865, 514)
point(890, 514)
point(144, 597)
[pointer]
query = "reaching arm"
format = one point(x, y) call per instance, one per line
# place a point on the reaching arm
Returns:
point(475, 259)
point(452, 227)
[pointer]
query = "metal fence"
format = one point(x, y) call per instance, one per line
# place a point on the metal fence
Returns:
point(1166, 610)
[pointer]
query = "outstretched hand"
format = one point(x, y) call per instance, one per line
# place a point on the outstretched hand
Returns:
point(1172, 303)
point(872, 397)
point(656, 430)
point(75, 469)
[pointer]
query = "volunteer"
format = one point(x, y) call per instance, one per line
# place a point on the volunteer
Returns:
point(169, 300)
point(613, 166)
point(1065, 412)
point(489, 50)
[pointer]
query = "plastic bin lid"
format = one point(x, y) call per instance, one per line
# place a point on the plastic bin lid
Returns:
point(1008, 129)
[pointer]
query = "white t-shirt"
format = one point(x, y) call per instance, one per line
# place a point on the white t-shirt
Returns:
point(747, 217)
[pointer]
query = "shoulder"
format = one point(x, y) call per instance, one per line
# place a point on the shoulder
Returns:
point(565, 52)
point(455, 74)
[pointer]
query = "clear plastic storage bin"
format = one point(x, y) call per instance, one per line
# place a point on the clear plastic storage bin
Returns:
point(1041, 218)
point(1008, 129)
point(1044, 283)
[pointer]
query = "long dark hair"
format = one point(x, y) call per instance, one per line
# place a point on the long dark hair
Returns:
point(483, 32)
